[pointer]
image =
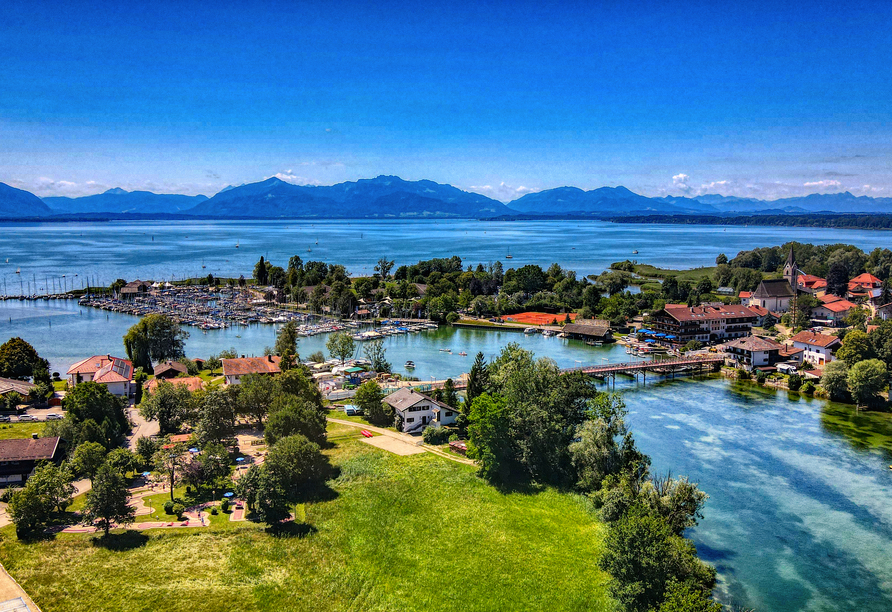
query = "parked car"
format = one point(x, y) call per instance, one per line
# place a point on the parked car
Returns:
point(27, 418)
point(4, 419)
point(54, 416)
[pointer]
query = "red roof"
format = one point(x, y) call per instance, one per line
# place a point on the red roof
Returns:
point(193, 383)
point(809, 280)
point(93, 364)
point(745, 294)
point(758, 310)
point(840, 306)
point(28, 449)
point(117, 370)
point(251, 365)
point(866, 280)
point(813, 339)
point(682, 312)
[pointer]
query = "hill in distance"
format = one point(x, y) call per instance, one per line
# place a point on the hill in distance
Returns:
point(120, 201)
point(17, 203)
point(381, 197)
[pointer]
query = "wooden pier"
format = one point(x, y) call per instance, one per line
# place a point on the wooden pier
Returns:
point(695, 364)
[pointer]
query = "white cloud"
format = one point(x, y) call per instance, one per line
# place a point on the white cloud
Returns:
point(825, 184)
point(680, 183)
point(502, 192)
point(870, 189)
point(290, 177)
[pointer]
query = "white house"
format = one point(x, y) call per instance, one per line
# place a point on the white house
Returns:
point(234, 369)
point(817, 348)
point(773, 294)
point(113, 372)
point(419, 410)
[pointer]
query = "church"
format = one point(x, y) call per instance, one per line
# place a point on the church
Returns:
point(777, 294)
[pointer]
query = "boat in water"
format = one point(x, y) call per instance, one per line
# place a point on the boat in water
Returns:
point(410, 365)
point(530, 330)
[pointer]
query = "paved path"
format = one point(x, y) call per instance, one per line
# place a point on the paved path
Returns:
point(141, 428)
point(405, 438)
point(12, 596)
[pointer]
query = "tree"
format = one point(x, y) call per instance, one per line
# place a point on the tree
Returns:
point(92, 402)
point(169, 404)
point(449, 396)
point(687, 597)
point(835, 379)
point(678, 501)
point(383, 267)
point(216, 414)
point(256, 396)
point(122, 460)
point(294, 461)
point(369, 398)
point(146, 448)
point(261, 272)
point(488, 441)
point(643, 557)
point(838, 279)
point(290, 416)
point(107, 500)
point(88, 458)
point(53, 483)
point(374, 351)
point(340, 345)
point(213, 363)
point(157, 338)
point(271, 503)
point(19, 360)
point(297, 382)
point(286, 339)
point(721, 259)
point(29, 510)
point(478, 379)
point(856, 346)
point(866, 379)
point(171, 461)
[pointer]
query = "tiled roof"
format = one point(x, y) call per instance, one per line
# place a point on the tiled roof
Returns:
point(22, 387)
point(758, 310)
point(808, 280)
point(174, 367)
point(91, 365)
point(28, 449)
point(407, 397)
point(251, 365)
point(116, 370)
point(682, 312)
point(193, 383)
point(745, 294)
point(867, 280)
point(840, 306)
point(773, 288)
point(755, 343)
point(813, 339)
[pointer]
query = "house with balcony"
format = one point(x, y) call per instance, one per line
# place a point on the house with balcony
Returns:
point(419, 410)
point(115, 373)
point(754, 352)
point(707, 323)
point(817, 349)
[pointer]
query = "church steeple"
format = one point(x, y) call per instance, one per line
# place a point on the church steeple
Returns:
point(791, 272)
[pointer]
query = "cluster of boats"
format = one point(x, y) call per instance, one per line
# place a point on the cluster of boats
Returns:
point(393, 329)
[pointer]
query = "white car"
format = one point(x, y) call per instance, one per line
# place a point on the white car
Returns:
point(27, 418)
point(54, 416)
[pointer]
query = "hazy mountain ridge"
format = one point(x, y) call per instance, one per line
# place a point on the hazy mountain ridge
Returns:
point(16, 203)
point(118, 200)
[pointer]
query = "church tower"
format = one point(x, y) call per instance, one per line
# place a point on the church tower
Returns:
point(791, 272)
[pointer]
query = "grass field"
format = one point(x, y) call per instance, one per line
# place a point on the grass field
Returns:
point(693, 274)
point(19, 430)
point(387, 533)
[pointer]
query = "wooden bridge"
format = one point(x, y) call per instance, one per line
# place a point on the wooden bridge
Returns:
point(633, 368)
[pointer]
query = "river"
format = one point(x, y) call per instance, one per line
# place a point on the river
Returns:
point(162, 250)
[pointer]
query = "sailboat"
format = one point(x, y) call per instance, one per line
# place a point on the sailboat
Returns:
point(509, 255)
point(236, 244)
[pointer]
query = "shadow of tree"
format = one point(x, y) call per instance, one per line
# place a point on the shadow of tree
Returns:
point(292, 529)
point(120, 542)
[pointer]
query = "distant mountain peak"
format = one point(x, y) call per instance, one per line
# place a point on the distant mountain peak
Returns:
point(115, 191)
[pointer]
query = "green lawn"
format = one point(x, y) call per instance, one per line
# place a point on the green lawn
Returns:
point(391, 533)
point(693, 274)
point(19, 430)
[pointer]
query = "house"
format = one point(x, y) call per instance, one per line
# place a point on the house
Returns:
point(754, 351)
point(170, 369)
point(193, 383)
point(22, 387)
point(19, 457)
point(833, 311)
point(680, 323)
point(589, 329)
point(199, 362)
point(810, 283)
point(135, 289)
point(817, 348)
point(745, 295)
point(764, 317)
point(113, 372)
point(234, 369)
point(419, 410)
point(774, 294)
point(884, 312)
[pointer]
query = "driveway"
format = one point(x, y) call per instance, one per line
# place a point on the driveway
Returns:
point(405, 438)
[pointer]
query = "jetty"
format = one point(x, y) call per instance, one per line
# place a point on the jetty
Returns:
point(695, 364)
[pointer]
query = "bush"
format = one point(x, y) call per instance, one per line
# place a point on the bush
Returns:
point(743, 374)
point(178, 510)
point(168, 507)
point(794, 382)
point(214, 511)
point(452, 317)
point(7, 494)
point(761, 377)
point(808, 387)
point(435, 435)
point(224, 505)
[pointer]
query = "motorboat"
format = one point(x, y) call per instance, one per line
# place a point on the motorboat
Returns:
point(410, 365)
point(530, 330)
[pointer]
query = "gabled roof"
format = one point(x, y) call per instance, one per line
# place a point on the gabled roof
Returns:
point(170, 366)
point(808, 280)
point(813, 339)
point(251, 365)
point(116, 370)
point(755, 343)
point(407, 397)
point(839, 306)
point(866, 280)
point(758, 310)
point(91, 365)
point(774, 288)
point(28, 449)
point(22, 387)
point(682, 312)
point(193, 383)
point(745, 294)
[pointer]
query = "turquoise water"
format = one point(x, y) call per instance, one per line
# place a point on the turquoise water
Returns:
point(800, 508)
point(164, 250)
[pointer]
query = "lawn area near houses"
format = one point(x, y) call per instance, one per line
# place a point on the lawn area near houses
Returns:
point(389, 533)
point(11, 431)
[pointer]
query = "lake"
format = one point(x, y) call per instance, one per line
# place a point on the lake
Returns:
point(164, 250)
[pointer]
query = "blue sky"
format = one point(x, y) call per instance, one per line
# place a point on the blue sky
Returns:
point(758, 99)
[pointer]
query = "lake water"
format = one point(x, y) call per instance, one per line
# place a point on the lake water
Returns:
point(800, 508)
point(162, 250)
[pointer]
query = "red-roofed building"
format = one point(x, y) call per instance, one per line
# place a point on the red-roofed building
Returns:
point(867, 281)
point(764, 317)
point(817, 348)
point(707, 323)
point(234, 369)
point(834, 311)
point(193, 383)
point(745, 295)
point(113, 372)
point(18, 457)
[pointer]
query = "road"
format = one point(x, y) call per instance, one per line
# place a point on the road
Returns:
point(408, 439)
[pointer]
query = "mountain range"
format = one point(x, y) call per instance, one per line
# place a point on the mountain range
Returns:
point(392, 197)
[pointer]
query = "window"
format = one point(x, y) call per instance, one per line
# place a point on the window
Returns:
point(448, 414)
point(410, 420)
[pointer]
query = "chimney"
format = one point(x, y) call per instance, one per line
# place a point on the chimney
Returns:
point(269, 358)
point(34, 436)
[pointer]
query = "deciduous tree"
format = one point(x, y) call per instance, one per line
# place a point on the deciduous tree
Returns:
point(866, 379)
point(19, 360)
point(107, 500)
point(340, 345)
point(169, 404)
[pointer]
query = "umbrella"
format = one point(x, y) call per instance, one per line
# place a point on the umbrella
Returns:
point(193, 450)
point(228, 494)
point(670, 337)
point(660, 335)
point(650, 341)
point(146, 474)
point(240, 459)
